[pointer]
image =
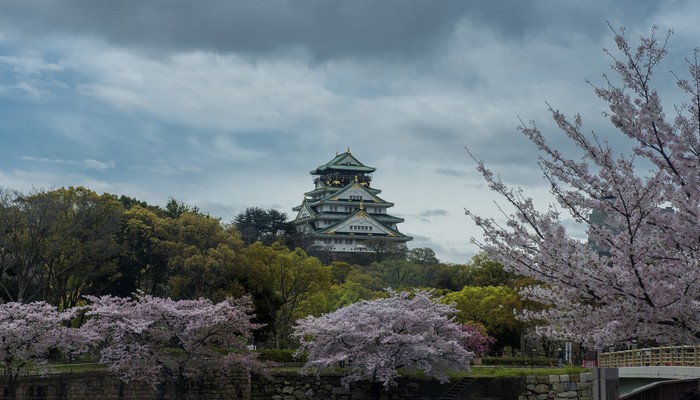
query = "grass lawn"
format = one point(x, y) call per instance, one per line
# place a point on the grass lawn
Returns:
point(511, 371)
point(475, 372)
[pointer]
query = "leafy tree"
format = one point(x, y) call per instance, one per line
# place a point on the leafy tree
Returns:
point(375, 338)
point(153, 339)
point(347, 293)
point(28, 332)
point(397, 273)
point(341, 270)
point(284, 282)
point(86, 261)
point(148, 244)
point(209, 259)
point(55, 243)
point(422, 255)
point(486, 272)
point(385, 249)
point(266, 226)
point(494, 307)
point(447, 276)
point(642, 277)
point(174, 209)
point(128, 202)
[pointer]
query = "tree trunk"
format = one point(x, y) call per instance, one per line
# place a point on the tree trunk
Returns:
point(180, 385)
point(375, 390)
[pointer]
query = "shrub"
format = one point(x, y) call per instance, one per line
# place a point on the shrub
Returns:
point(280, 356)
point(520, 361)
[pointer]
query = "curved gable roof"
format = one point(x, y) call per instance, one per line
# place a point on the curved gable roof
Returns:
point(360, 217)
point(343, 162)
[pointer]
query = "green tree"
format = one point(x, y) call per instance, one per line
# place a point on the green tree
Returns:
point(147, 245)
point(397, 273)
point(385, 249)
point(174, 209)
point(349, 292)
point(210, 261)
point(54, 244)
point(266, 226)
point(422, 256)
point(494, 307)
point(485, 272)
point(283, 282)
point(86, 261)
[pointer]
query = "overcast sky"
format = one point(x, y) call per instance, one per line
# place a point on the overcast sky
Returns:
point(226, 105)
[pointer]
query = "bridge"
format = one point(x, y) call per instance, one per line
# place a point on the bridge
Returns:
point(657, 370)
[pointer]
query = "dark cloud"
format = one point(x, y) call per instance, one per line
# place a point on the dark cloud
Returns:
point(324, 29)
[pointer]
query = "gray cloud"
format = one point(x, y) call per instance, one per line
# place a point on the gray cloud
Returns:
point(324, 29)
point(434, 213)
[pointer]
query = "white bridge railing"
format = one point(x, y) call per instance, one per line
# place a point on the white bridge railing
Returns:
point(680, 356)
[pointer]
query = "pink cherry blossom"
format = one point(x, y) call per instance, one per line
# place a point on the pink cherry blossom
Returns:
point(372, 339)
point(28, 332)
point(639, 273)
point(153, 339)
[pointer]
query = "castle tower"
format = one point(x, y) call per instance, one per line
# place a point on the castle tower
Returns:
point(344, 213)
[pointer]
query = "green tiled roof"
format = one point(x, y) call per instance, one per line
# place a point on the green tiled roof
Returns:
point(343, 162)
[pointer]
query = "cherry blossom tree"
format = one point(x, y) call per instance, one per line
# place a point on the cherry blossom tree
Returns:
point(476, 340)
point(28, 332)
point(375, 338)
point(639, 274)
point(153, 339)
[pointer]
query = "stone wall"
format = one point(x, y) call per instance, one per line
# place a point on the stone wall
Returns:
point(553, 387)
point(328, 387)
point(577, 386)
point(102, 385)
point(289, 386)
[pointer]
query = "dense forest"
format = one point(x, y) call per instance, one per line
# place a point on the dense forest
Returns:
point(61, 245)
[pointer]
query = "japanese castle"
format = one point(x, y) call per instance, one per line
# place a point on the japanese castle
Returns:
point(344, 212)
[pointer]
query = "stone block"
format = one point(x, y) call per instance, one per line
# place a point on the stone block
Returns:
point(564, 378)
point(339, 390)
point(554, 379)
point(567, 395)
point(541, 388)
point(287, 389)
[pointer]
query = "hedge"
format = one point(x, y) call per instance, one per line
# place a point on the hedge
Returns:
point(281, 356)
point(520, 361)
